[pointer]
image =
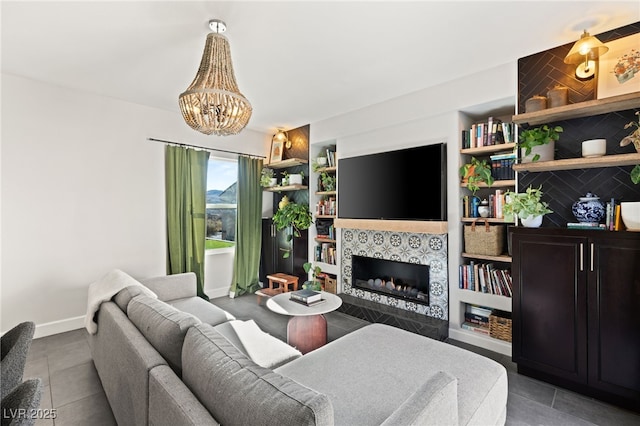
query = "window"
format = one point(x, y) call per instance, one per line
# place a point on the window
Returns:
point(222, 176)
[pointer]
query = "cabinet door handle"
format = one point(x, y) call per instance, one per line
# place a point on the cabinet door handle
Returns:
point(581, 256)
point(591, 257)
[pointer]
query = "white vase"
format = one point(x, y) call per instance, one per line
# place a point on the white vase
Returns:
point(531, 221)
point(273, 182)
point(295, 179)
point(546, 152)
point(630, 211)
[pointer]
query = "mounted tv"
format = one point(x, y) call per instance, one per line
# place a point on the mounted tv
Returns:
point(405, 184)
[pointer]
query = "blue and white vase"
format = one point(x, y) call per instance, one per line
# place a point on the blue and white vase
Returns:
point(589, 209)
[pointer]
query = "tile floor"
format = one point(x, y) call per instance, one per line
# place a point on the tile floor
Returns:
point(72, 386)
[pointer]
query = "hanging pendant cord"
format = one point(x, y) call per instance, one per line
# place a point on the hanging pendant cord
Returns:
point(205, 148)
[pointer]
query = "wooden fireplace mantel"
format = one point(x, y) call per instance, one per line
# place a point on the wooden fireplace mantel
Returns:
point(415, 226)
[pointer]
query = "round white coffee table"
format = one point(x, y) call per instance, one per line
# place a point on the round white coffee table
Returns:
point(307, 327)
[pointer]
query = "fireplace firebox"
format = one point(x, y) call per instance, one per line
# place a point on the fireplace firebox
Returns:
point(409, 281)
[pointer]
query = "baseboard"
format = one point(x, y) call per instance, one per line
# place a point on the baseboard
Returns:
point(56, 327)
point(216, 292)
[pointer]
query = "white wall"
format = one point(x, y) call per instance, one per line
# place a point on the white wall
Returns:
point(82, 193)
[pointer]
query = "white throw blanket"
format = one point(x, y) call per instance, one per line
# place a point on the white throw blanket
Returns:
point(263, 349)
point(103, 290)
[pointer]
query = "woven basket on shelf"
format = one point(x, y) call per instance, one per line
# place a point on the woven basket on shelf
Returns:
point(500, 327)
point(485, 240)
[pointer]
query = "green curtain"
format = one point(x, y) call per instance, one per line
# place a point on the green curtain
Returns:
point(246, 264)
point(186, 187)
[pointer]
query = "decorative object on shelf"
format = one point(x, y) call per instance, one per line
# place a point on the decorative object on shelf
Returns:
point(296, 178)
point(315, 284)
point(584, 53)
point(558, 96)
point(619, 71)
point(267, 178)
point(319, 162)
point(630, 212)
point(277, 148)
point(475, 172)
point(528, 206)
point(283, 137)
point(538, 144)
point(594, 148)
point(487, 240)
point(588, 209)
point(483, 208)
point(633, 138)
point(535, 103)
point(292, 216)
point(212, 104)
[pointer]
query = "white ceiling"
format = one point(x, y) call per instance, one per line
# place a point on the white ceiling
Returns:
point(297, 62)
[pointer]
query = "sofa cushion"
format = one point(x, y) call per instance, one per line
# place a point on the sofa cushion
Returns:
point(163, 326)
point(238, 392)
point(205, 311)
point(125, 295)
point(263, 349)
point(395, 363)
point(434, 403)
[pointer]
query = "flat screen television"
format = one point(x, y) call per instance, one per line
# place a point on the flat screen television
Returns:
point(405, 184)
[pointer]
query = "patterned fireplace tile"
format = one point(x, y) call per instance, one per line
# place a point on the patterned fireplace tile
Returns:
point(423, 249)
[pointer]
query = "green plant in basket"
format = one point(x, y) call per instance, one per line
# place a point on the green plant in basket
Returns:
point(525, 204)
point(538, 136)
point(475, 172)
point(294, 217)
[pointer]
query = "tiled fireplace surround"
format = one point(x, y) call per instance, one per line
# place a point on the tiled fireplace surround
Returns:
point(420, 248)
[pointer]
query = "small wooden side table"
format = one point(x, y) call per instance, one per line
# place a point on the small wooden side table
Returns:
point(283, 280)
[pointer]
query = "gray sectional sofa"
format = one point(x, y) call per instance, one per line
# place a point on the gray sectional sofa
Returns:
point(179, 360)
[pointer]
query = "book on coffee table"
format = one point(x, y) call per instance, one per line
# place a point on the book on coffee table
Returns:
point(306, 296)
point(317, 302)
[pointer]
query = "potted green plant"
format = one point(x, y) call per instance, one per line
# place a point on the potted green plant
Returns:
point(528, 206)
point(475, 172)
point(293, 217)
point(538, 143)
point(314, 284)
point(633, 138)
point(328, 181)
point(267, 178)
point(319, 162)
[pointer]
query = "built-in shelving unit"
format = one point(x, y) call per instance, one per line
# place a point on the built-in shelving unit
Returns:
point(578, 110)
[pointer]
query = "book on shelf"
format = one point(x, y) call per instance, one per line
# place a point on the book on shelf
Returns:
point(590, 226)
point(305, 295)
point(476, 328)
point(479, 310)
point(485, 278)
point(475, 318)
point(492, 132)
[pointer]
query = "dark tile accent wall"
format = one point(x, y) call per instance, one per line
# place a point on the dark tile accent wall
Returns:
point(384, 314)
point(536, 75)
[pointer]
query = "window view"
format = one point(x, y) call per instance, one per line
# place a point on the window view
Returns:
point(222, 175)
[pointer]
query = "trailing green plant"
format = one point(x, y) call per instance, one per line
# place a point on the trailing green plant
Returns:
point(635, 174)
point(294, 218)
point(475, 172)
point(525, 204)
point(315, 284)
point(538, 136)
point(328, 181)
point(633, 138)
point(265, 176)
point(317, 165)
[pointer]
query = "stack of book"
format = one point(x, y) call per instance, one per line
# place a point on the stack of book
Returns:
point(476, 318)
point(485, 278)
point(496, 203)
point(306, 297)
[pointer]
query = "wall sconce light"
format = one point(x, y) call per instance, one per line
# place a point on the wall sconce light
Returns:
point(281, 136)
point(585, 52)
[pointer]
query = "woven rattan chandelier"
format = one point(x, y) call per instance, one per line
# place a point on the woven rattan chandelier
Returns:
point(212, 104)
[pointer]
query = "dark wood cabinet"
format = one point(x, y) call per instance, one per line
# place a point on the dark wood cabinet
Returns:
point(576, 310)
point(274, 244)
